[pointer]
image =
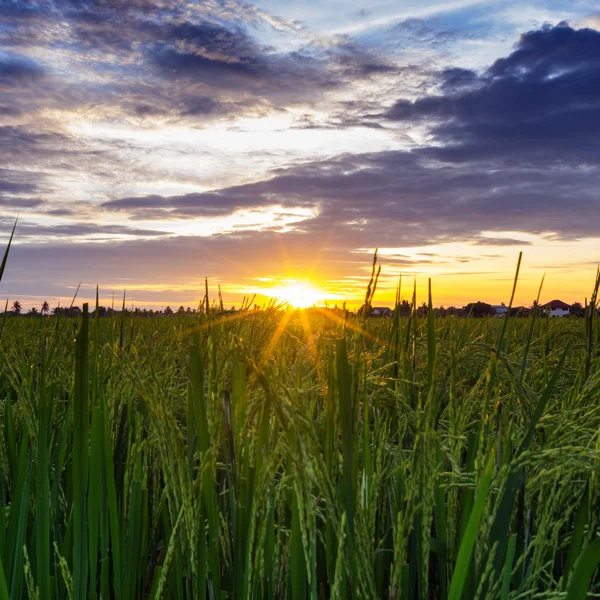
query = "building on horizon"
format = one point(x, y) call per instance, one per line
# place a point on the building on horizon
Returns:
point(557, 308)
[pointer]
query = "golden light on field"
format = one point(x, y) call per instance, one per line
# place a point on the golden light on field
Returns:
point(299, 294)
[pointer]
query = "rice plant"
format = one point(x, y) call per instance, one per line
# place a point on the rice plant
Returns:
point(282, 454)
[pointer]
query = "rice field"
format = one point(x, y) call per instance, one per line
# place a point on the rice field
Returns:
point(282, 454)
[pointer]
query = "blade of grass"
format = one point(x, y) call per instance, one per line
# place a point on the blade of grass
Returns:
point(468, 542)
point(42, 519)
point(585, 567)
point(80, 462)
point(5, 257)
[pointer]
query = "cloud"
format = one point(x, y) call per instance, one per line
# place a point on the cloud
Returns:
point(13, 187)
point(207, 204)
point(550, 52)
point(17, 202)
point(402, 197)
point(20, 190)
point(420, 33)
point(499, 241)
point(228, 62)
point(191, 62)
point(541, 102)
point(17, 140)
point(357, 61)
point(19, 70)
point(29, 231)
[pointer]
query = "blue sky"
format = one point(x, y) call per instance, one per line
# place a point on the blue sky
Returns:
point(146, 144)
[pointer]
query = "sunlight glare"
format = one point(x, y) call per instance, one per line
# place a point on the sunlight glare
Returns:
point(298, 294)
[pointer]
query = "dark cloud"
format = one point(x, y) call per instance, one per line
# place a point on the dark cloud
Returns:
point(208, 204)
point(16, 202)
point(404, 198)
point(18, 70)
point(231, 63)
point(13, 187)
point(205, 105)
point(455, 78)
point(357, 62)
point(542, 102)
point(28, 231)
point(549, 52)
point(19, 189)
point(9, 111)
point(147, 110)
point(487, 241)
point(165, 207)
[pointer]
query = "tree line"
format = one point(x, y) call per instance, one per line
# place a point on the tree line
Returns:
point(473, 309)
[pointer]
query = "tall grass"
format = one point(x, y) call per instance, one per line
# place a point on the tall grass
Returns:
point(299, 455)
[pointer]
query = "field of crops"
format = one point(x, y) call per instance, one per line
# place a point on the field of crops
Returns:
point(280, 454)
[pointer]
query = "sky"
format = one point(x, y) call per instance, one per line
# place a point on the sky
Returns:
point(146, 144)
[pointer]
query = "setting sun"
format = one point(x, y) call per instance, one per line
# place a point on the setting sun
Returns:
point(298, 294)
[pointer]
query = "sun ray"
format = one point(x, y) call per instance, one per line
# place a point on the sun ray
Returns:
point(350, 325)
point(276, 335)
point(312, 346)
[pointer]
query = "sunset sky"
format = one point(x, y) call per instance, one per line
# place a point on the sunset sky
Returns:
point(146, 144)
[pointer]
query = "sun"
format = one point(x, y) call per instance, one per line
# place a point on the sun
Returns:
point(298, 294)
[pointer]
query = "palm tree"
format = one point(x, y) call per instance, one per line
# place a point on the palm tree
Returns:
point(16, 307)
point(33, 311)
point(45, 308)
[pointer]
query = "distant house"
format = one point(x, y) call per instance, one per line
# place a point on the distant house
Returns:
point(499, 310)
point(478, 309)
point(557, 308)
point(382, 311)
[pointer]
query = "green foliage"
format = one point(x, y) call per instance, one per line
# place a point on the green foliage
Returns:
point(272, 454)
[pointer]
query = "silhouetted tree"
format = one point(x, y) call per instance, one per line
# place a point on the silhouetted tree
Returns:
point(45, 308)
point(577, 310)
point(71, 311)
point(422, 310)
point(403, 308)
point(16, 307)
point(168, 311)
point(440, 311)
point(181, 311)
point(33, 311)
